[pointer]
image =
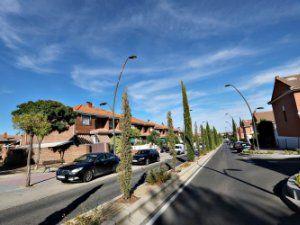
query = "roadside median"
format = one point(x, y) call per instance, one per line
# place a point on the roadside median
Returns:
point(148, 199)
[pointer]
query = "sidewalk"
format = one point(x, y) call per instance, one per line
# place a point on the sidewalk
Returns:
point(13, 192)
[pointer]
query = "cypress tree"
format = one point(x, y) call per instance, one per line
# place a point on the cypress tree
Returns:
point(196, 137)
point(124, 168)
point(215, 135)
point(234, 130)
point(171, 137)
point(203, 137)
point(209, 137)
point(188, 133)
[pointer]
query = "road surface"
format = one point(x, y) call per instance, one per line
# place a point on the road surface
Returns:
point(230, 190)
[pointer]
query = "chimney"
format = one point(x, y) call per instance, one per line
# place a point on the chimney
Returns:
point(89, 104)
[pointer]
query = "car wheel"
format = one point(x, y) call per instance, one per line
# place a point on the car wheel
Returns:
point(147, 162)
point(88, 176)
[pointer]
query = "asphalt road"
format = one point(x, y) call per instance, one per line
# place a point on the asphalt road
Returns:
point(68, 204)
point(231, 190)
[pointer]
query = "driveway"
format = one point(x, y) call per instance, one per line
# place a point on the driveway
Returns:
point(231, 190)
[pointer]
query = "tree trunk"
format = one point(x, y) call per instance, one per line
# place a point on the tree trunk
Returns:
point(27, 184)
point(38, 153)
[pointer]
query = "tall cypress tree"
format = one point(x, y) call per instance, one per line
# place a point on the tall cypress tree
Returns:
point(196, 136)
point(209, 137)
point(188, 133)
point(203, 139)
point(215, 135)
point(234, 131)
point(124, 169)
point(171, 137)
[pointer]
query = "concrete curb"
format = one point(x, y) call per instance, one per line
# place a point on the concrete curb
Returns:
point(270, 156)
point(138, 212)
point(291, 192)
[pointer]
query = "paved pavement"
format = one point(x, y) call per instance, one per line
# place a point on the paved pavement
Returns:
point(71, 200)
point(231, 190)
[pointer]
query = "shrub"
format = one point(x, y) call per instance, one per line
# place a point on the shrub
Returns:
point(158, 176)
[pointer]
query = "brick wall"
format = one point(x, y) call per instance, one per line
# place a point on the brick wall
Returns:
point(53, 137)
point(70, 154)
point(290, 126)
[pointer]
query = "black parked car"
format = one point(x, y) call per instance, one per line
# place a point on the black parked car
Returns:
point(146, 156)
point(88, 166)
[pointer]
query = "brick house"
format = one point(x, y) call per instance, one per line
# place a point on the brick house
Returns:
point(285, 102)
point(91, 132)
point(247, 129)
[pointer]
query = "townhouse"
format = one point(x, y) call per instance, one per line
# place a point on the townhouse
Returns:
point(246, 130)
point(285, 102)
point(91, 132)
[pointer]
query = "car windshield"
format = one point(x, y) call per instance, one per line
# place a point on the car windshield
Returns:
point(141, 152)
point(86, 158)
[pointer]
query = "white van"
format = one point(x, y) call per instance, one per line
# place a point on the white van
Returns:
point(180, 149)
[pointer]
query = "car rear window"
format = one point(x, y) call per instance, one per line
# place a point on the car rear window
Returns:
point(140, 152)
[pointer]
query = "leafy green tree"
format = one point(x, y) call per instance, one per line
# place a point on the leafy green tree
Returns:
point(188, 133)
point(171, 137)
point(153, 137)
point(125, 168)
point(59, 116)
point(135, 133)
point(42, 129)
point(266, 135)
point(27, 123)
point(209, 137)
point(234, 131)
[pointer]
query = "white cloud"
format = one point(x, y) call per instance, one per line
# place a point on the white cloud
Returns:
point(39, 62)
point(267, 76)
point(9, 6)
point(221, 56)
point(8, 33)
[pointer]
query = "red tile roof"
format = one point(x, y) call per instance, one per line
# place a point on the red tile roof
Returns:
point(90, 110)
point(94, 111)
point(267, 115)
point(247, 123)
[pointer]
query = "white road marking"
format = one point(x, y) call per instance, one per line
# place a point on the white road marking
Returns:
point(168, 203)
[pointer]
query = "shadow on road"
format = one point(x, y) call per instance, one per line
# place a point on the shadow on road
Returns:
point(287, 167)
point(235, 178)
point(59, 215)
point(198, 205)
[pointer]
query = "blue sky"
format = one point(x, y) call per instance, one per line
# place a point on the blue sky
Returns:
point(72, 51)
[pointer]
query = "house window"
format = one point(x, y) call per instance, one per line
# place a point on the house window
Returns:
point(111, 125)
point(86, 120)
point(284, 113)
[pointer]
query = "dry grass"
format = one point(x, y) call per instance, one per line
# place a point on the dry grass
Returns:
point(96, 216)
point(297, 180)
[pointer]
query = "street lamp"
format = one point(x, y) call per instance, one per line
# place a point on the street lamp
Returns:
point(253, 122)
point(115, 95)
point(106, 103)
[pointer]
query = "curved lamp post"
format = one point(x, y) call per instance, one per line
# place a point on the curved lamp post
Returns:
point(249, 108)
point(115, 95)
